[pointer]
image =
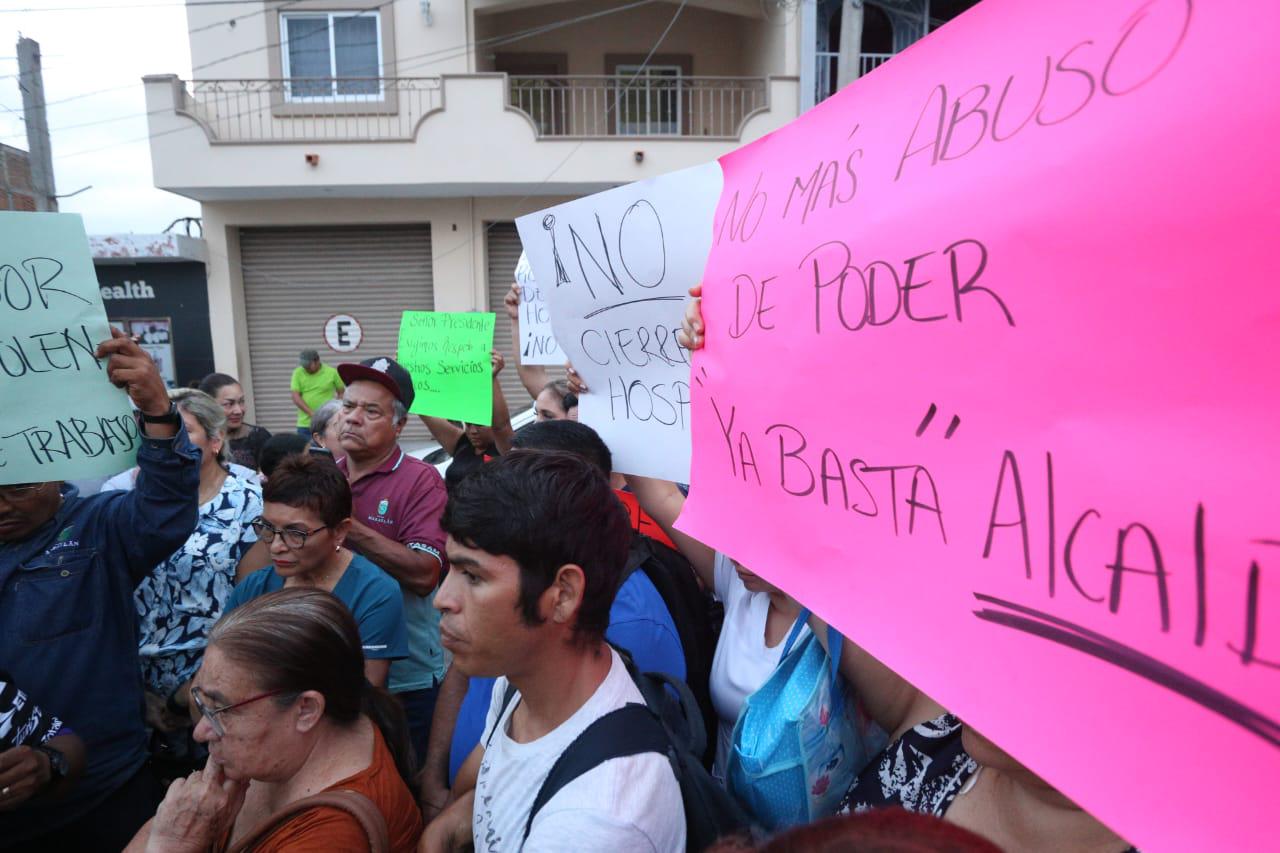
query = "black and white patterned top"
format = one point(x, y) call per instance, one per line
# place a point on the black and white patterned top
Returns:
point(22, 722)
point(922, 771)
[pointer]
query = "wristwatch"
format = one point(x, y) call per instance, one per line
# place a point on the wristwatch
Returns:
point(170, 417)
point(57, 763)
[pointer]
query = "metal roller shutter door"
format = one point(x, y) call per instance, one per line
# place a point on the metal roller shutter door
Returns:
point(296, 278)
point(503, 242)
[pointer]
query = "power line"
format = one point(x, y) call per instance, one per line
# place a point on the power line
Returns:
point(485, 231)
point(114, 6)
point(459, 50)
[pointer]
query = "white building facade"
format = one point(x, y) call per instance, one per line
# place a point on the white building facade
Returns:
point(364, 157)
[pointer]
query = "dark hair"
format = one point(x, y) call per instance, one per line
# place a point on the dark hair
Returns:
point(559, 387)
point(299, 639)
point(279, 446)
point(892, 830)
point(570, 436)
point(545, 509)
point(214, 382)
point(303, 480)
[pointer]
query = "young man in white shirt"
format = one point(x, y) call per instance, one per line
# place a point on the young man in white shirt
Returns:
point(537, 543)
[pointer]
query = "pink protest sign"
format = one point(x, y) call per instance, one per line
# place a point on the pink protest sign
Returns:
point(991, 383)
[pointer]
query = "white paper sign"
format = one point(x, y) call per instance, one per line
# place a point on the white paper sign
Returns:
point(537, 340)
point(616, 268)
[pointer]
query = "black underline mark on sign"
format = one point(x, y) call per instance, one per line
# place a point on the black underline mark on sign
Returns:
point(633, 302)
point(1275, 542)
point(1071, 635)
point(928, 418)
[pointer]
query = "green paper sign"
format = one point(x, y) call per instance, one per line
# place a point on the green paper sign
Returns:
point(60, 418)
point(447, 354)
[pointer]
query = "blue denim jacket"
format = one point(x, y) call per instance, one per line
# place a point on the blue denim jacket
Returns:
point(68, 631)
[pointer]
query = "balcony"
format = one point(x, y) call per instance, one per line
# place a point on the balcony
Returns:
point(310, 110)
point(478, 134)
point(603, 106)
point(390, 109)
point(829, 67)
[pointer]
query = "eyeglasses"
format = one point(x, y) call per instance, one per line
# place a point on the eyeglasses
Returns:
point(20, 491)
point(213, 714)
point(293, 539)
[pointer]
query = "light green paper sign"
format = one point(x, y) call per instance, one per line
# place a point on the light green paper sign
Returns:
point(60, 418)
point(447, 354)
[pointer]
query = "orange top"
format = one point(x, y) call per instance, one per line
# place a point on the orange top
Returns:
point(640, 520)
point(326, 829)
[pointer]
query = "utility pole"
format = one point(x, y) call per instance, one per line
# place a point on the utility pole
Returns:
point(31, 82)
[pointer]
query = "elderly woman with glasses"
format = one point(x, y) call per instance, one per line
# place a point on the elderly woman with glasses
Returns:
point(180, 599)
point(306, 516)
point(287, 715)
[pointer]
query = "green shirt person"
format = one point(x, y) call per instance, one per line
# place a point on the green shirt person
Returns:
point(313, 384)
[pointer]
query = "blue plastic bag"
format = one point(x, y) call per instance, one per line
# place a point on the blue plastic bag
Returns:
point(800, 740)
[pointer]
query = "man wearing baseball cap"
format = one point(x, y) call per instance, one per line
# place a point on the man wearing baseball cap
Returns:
point(313, 383)
point(397, 502)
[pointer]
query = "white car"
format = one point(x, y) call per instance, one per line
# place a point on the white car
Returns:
point(435, 454)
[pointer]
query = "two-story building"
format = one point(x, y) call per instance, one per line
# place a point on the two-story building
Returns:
point(363, 157)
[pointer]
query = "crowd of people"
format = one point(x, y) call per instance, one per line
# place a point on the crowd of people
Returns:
point(314, 640)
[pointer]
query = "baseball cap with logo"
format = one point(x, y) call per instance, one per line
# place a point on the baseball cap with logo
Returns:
point(307, 356)
point(386, 372)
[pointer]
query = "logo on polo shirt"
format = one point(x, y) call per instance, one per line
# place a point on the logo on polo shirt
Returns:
point(64, 540)
point(382, 506)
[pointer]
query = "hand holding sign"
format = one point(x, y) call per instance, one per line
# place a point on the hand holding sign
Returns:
point(1030, 430)
point(61, 418)
point(449, 356)
point(612, 265)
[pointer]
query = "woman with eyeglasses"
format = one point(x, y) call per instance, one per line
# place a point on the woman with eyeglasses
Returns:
point(287, 715)
point(306, 515)
point(244, 440)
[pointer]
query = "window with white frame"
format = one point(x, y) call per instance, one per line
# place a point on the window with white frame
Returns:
point(648, 99)
point(331, 56)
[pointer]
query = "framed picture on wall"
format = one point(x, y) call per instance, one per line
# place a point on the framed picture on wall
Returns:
point(155, 335)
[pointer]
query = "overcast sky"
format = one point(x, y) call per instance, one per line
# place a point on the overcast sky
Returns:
point(85, 51)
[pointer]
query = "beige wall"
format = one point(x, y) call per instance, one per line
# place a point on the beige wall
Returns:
point(726, 37)
point(475, 145)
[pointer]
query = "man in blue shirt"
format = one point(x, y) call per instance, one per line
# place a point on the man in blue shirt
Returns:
point(68, 633)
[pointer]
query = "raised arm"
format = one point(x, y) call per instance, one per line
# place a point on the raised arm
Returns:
point(444, 431)
point(152, 521)
point(503, 434)
point(892, 701)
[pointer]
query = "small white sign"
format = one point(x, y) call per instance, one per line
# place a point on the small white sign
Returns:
point(615, 269)
point(537, 340)
point(342, 333)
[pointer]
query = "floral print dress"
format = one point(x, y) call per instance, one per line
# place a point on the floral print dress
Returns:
point(183, 597)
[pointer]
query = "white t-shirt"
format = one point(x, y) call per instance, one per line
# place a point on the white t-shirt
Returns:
point(626, 804)
point(743, 663)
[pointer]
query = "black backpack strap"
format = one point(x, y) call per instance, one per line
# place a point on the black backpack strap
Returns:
point(506, 700)
point(629, 730)
point(637, 554)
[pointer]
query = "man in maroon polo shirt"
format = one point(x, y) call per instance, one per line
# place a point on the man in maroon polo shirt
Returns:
point(397, 502)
